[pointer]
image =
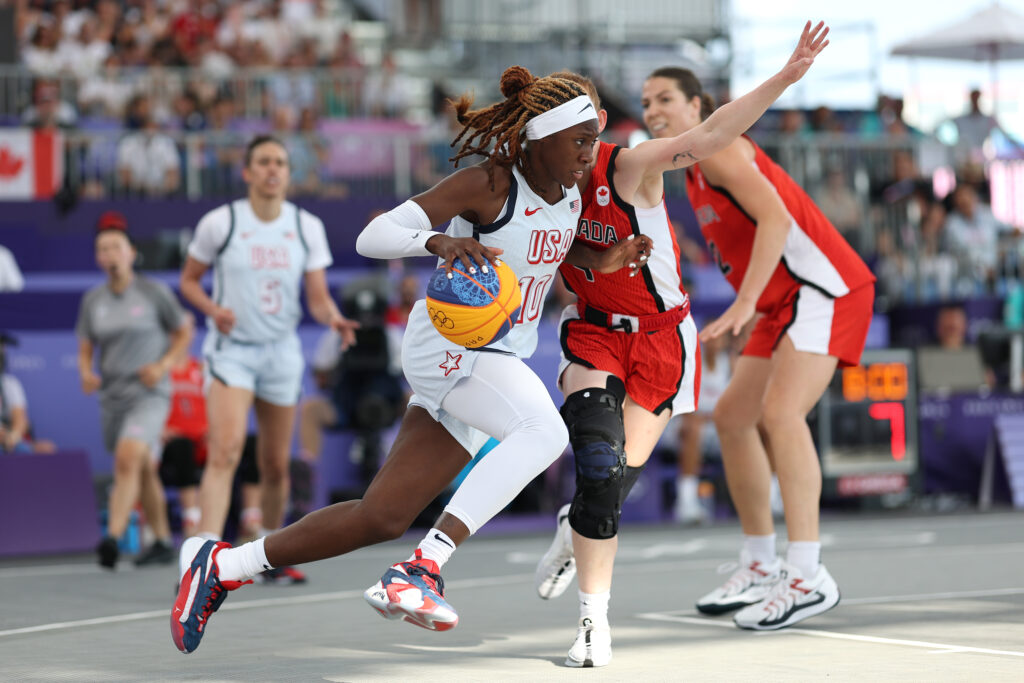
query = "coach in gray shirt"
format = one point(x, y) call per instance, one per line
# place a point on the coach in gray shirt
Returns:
point(139, 328)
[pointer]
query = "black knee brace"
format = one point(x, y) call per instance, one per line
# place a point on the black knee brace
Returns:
point(248, 467)
point(177, 464)
point(597, 435)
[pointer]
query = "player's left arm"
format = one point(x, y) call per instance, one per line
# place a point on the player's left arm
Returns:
point(323, 309)
point(733, 171)
point(654, 157)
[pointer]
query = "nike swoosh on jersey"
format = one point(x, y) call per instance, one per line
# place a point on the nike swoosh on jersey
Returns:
point(530, 212)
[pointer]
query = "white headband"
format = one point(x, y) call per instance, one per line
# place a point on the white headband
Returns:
point(578, 110)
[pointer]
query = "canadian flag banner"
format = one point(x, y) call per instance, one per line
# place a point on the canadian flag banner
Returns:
point(31, 163)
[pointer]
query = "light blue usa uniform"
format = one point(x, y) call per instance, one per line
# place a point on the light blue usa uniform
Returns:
point(258, 269)
point(535, 237)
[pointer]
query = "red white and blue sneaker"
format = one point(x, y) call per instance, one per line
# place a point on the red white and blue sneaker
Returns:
point(199, 595)
point(413, 591)
point(282, 576)
point(792, 599)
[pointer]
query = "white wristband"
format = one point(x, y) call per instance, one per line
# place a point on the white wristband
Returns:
point(402, 231)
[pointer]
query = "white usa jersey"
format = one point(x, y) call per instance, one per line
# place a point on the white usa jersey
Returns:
point(535, 237)
point(259, 266)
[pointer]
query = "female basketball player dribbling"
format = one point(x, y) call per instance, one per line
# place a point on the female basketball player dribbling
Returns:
point(542, 135)
point(630, 356)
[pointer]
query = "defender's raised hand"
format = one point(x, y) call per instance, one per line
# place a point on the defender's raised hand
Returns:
point(812, 42)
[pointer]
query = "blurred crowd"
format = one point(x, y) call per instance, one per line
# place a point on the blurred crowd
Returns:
point(159, 95)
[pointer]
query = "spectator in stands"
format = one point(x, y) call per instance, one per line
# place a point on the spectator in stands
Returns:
point(824, 120)
point(973, 129)
point(11, 279)
point(344, 92)
point(188, 112)
point(40, 56)
point(293, 85)
point(83, 54)
point(386, 91)
point(106, 92)
point(147, 159)
point(841, 206)
point(15, 432)
point(48, 110)
point(307, 148)
point(138, 328)
point(973, 233)
point(936, 268)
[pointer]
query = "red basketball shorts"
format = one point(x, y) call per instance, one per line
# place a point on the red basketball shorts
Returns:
point(817, 323)
point(660, 368)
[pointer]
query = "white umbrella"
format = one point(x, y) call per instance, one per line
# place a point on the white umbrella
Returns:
point(991, 34)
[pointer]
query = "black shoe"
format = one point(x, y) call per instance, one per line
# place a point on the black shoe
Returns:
point(108, 552)
point(158, 553)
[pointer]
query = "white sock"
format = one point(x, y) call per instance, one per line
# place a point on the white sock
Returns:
point(436, 546)
point(243, 562)
point(687, 487)
point(208, 536)
point(192, 515)
point(805, 556)
point(760, 548)
point(595, 606)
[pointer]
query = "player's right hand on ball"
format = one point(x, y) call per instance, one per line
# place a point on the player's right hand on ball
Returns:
point(470, 252)
point(224, 319)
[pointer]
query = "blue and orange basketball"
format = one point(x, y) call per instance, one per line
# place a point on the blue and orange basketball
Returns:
point(474, 310)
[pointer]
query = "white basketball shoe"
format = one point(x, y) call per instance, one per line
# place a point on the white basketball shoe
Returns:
point(557, 568)
point(593, 644)
point(748, 585)
point(793, 599)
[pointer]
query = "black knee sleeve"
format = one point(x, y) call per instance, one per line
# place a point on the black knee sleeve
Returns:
point(597, 435)
point(248, 469)
point(178, 465)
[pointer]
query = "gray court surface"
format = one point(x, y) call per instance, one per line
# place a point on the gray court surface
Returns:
point(924, 598)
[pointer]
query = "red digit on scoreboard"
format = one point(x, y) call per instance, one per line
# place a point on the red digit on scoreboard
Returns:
point(893, 412)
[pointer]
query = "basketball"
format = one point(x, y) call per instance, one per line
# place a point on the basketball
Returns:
point(474, 310)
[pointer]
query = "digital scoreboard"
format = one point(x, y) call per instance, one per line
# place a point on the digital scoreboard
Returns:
point(867, 426)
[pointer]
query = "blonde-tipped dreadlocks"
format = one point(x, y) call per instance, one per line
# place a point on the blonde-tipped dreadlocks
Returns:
point(498, 130)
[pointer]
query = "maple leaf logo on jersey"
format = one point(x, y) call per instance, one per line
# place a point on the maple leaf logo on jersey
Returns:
point(603, 195)
point(10, 165)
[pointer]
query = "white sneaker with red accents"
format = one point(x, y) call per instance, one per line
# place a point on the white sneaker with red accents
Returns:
point(748, 584)
point(793, 599)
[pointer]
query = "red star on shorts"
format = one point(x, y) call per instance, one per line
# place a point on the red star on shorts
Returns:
point(450, 363)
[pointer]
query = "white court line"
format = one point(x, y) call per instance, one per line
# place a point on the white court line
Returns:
point(249, 604)
point(934, 648)
point(955, 595)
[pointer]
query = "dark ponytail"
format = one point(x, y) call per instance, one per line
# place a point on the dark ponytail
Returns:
point(689, 85)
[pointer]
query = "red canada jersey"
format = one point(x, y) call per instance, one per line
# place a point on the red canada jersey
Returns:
point(607, 219)
point(815, 253)
point(188, 404)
